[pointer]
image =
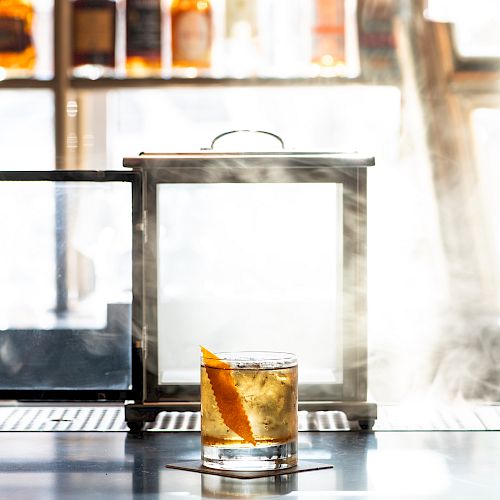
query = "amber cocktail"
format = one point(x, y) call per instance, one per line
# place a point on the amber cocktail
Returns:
point(248, 410)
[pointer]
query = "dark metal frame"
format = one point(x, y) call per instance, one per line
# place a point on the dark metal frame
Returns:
point(350, 173)
point(135, 180)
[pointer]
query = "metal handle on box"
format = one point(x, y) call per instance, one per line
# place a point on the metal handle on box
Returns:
point(277, 137)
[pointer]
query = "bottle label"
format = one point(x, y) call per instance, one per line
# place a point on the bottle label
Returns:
point(330, 12)
point(94, 31)
point(191, 37)
point(329, 32)
point(13, 36)
point(143, 28)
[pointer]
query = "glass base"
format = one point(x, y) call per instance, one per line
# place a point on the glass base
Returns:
point(272, 457)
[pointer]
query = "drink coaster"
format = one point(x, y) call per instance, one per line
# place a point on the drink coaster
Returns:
point(195, 466)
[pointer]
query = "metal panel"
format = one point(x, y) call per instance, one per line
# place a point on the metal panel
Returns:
point(107, 418)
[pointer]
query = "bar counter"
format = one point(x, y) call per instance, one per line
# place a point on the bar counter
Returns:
point(116, 465)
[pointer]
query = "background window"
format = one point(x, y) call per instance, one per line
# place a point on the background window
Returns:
point(27, 125)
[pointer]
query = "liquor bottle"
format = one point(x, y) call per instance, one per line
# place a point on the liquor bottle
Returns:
point(94, 36)
point(284, 38)
point(17, 51)
point(192, 34)
point(143, 37)
point(377, 45)
point(328, 51)
point(241, 41)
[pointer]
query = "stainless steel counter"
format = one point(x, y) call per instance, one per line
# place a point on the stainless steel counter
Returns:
point(115, 465)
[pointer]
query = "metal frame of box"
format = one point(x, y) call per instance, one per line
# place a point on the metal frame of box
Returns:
point(349, 172)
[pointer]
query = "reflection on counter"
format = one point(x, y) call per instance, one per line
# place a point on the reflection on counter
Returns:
point(225, 487)
point(444, 465)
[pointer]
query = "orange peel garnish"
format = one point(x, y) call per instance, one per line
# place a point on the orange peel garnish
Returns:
point(227, 396)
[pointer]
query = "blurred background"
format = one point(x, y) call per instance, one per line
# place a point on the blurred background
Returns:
point(415, 83)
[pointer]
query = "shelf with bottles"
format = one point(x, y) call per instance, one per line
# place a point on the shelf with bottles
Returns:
point(183, 39)
point(151, 82)
point(195, 39)
point(26, 83)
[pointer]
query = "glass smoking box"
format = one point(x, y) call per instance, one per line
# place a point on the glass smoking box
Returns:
point(111, 280)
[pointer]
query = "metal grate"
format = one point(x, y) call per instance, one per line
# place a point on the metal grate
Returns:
point(176, 421)
point(308, 421)
point(111, 419)
point(448, 418)
point(70, 418)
